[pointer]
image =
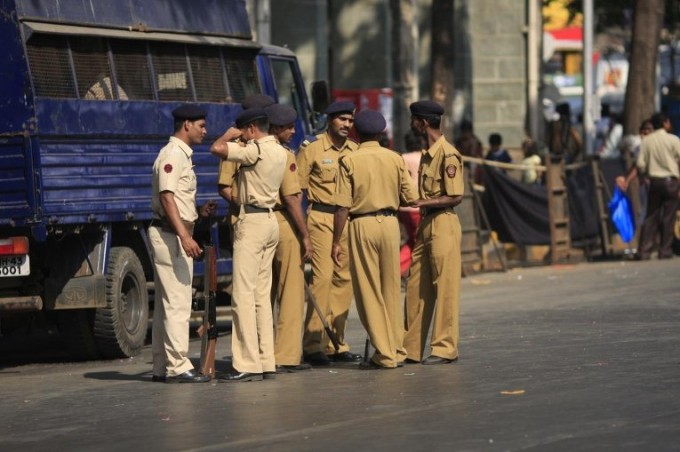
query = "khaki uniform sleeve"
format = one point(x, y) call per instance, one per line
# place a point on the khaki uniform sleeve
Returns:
point(170, 170)
point(343, 188)
point(248, 154)
point(454, 182)
point(227, 173)
point(304, 166)
point(409, 191)
point(290, 184)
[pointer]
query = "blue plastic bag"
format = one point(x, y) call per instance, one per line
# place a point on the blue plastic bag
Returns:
point(622, 215)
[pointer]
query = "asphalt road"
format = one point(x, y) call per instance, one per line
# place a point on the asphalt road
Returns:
point(583, 357)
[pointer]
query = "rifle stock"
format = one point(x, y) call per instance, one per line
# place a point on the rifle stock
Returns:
point(208, 329)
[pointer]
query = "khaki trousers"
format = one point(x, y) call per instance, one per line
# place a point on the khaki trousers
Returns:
point(252, 338)
point(376, 278)
point(174, 271)
point(288, 287)
point(433, 287)
point(331, 286)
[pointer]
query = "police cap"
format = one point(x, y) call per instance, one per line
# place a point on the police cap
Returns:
point(189, 112)
point(248, 116)
point(369, 122)
point(340, 107)
point(426, 108)
point(280, 115)
point(257, 101)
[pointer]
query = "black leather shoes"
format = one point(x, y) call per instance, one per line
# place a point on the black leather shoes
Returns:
point(190, 376)
point(370, 365)
point(292, 368)
point(269, 375)
point(410, 361)
point(159, 378)
point(317, 359)
point(241, 376)
point(430, 360)
point(346, 357)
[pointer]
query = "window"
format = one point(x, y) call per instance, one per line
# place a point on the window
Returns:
point(172, 72)
point(50, 66)
point(241, 73)
point(132, 69)
point(206, 70)
point(120, 69)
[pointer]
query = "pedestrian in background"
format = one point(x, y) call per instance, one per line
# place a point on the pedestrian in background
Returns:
point(659, 159)
point(331, 285)
point(497, 153)
point(433, 283)
point(174, 249)
point(371, 198)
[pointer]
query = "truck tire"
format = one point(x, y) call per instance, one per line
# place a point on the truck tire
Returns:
point(120, 327)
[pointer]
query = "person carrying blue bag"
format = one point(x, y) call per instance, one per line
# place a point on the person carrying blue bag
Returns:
point(622, 215)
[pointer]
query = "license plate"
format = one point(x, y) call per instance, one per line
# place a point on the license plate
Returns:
point(14, 266)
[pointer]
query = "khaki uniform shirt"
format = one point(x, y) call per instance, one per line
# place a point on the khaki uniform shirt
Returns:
point(263, 163)
point(173, 171)
point(441, 171)
point(318, 167)
point(659, 154)
point(364, 189)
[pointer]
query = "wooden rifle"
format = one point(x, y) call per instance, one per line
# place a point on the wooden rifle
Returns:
point(208, 329)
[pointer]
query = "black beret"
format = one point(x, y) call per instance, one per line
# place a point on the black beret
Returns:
point(342, 106)
point(190, 112)
point(426, 108)
point(280, 115)
point(248, 116)
point(257, 101)
point(369, 122)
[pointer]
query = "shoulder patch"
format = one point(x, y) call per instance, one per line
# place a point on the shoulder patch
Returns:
point(451, 171)
point(167, 168)
point(308, 141)
point(292, 167)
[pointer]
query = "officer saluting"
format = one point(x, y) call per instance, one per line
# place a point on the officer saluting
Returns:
point(173, 248)
point(371, 199)
point(256, 233)
point(433, 284)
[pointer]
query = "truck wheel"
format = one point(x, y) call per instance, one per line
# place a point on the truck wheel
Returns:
point(120, 328)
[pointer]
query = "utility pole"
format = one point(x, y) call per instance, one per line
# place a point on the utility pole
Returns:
point(404, 38)
point(588, 116)
point(442, 58)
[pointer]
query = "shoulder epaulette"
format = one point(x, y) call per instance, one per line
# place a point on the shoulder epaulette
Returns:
point(309, 140)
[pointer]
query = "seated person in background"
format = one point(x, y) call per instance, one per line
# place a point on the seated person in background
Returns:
point(496, 152)
point(531, 158)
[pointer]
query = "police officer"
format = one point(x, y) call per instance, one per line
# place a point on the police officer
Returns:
point(173, 248)
point(288, 265)
point(433, 283)
point(256, 232)
point(228, 170)
point(317, 163)
point(371, 199)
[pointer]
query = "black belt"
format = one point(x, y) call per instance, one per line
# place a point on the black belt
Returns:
point(381, 212)
point(667, 178)
point(249, 208)
point(325, 208)
point(435, 210)
point(165, 225)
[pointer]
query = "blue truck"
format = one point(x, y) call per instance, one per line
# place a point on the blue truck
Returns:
point(88, 87)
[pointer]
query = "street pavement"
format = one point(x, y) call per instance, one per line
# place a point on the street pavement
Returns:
point(572, 357)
